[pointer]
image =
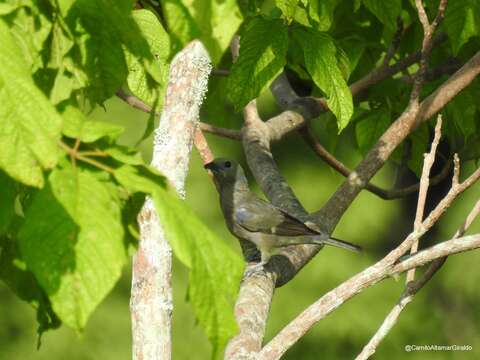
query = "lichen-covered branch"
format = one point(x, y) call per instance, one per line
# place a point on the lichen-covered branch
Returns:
point(151, 297)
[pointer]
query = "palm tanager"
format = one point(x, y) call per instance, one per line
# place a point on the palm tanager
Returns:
point(251, 218)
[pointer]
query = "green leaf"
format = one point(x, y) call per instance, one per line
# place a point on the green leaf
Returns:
point(462, 21)
point(72, 240)
point(14, 274)
point(138, 80)
point(385, 11)
point(263, 49)
point(30, 126)
point(321, 61)
point(354, 47)
point(125, 155)
point(321, 12)
point(7, 8)
point(8, 193)
point(30, 28)
point(215, 270)
point(88, 131)
point(287, 7)
point(213, 22)
point(103, 29)
point(463, 110)
point(369, 129)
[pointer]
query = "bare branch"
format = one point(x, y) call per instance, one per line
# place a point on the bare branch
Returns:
point(384, 194)
point(133, 101)
point(251, 313)
point(373, 274)
point(397, 38)
point(424, 184)
point(412, 289)
point(211, 129)
point(427, 45)
point(222, 132)
point(393, 136)
point(387, 325)
point(220, 72)
point(202, 147)
point(151, 296)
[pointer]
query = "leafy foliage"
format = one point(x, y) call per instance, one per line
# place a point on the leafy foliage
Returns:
point(321, 62)
point(259, 62)
point(69, 190)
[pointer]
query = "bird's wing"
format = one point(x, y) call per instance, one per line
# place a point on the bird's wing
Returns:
point(257, 215)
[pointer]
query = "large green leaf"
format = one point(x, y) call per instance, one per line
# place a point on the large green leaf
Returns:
point(321, 12)
point(214, 22)
point(22, 282)
point(369, 129)
point(72, 240)
point(321, 61)
point(462, 110)
point(103, 29)
point(77, 126)
point(215, 270)
point(138, 80)
point(287, 7)
point(30, 27)
point(386, 11)
point(263, 49)
point(462, 21)
point(29, 125)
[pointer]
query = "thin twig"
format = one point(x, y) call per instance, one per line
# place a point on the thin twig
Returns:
point(397, 38)
point(222, 132)
point(97, 153)
point(77, 156)
point(342, 169)
point(133, 101)
point(427, 45)
point(220, 72)
point(424, 184)
point(211, 129)
point(202, 147)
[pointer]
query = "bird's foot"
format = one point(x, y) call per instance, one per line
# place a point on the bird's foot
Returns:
point(257, 269)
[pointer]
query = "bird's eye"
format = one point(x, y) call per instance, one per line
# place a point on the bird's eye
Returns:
point(228, 164)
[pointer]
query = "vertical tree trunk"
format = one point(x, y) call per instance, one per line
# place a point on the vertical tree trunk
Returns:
point(151, 299)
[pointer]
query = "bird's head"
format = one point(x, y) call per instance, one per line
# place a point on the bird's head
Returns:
point(226, 171)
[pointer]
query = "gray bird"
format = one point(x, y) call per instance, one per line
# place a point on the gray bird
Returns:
point(250, 218)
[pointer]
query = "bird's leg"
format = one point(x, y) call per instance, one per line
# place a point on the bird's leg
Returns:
point(258, 267)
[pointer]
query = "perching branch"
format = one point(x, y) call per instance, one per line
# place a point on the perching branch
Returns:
point(388, 266)
point(151, 297)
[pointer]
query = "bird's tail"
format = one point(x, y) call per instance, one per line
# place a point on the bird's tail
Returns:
point(339, 243)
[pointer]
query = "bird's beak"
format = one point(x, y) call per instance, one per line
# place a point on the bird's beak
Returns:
point(211, 166)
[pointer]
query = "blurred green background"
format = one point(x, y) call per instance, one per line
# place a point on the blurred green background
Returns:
point(445, 312)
